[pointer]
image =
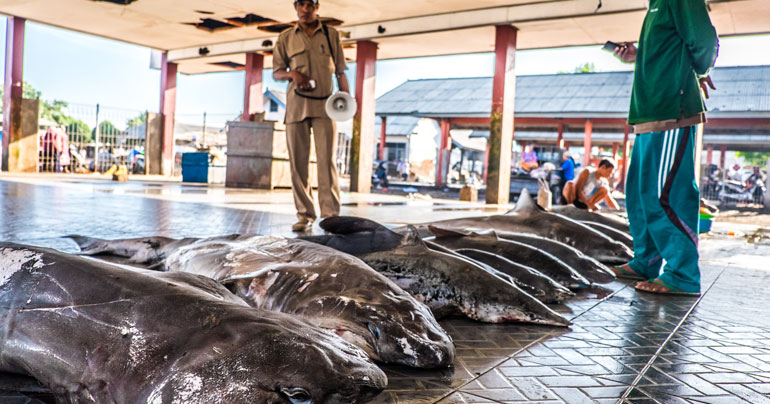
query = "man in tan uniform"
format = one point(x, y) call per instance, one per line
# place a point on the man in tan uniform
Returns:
point(307, 55)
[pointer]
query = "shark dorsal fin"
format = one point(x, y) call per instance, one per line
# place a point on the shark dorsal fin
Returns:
point(350, 225)
point(525, 203)
point(440, 232)
point(412, 237)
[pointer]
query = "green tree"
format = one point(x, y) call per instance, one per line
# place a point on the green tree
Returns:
point(137, 120)
point(106, 128)
point(584, 68)
point(754, 158)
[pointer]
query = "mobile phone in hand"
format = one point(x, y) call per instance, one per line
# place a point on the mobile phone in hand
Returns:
point(611, 46)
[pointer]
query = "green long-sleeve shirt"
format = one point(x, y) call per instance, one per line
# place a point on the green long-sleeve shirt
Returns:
point(678, 43)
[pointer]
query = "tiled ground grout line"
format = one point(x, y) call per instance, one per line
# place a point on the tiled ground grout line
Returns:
point(610, 296)
point(522, 349)
point(662, 346)
point(493, 367)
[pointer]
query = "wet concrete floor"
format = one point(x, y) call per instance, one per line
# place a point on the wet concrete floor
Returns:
point(625, 346)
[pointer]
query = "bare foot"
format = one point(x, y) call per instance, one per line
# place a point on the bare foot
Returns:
point(652, 287)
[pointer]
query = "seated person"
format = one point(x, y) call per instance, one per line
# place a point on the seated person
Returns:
point(529, 160)
point(591, 187)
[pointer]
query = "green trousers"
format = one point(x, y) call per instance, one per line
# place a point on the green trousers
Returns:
point(663, 201)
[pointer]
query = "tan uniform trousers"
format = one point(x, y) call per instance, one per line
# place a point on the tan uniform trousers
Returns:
point(298, 142)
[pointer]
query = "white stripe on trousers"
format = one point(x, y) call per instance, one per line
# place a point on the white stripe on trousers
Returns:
point(663, 162)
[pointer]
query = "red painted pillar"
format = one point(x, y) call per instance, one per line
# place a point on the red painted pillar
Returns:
point(13, 86)
point(523, 144)
point(383, 137)
point(710, 154)
point(615, 151)
point(587, 143)
point(723, 156)
point(443, 152)
point(626, 155)
point(253, 98)
point(501, 119)
point(167, 111)
point(560, 136)
point(363, 123)
point(566, 146)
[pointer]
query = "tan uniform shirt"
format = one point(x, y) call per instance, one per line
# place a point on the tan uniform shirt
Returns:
point(310, 56)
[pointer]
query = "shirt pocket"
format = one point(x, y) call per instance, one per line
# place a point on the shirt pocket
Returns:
point(298, 57)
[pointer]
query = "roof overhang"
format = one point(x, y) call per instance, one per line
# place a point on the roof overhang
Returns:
point(402, 28)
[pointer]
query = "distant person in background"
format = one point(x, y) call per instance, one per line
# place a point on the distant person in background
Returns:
point(529, 159)
point(405, 171)
point(382, 174)
point(568, 166)
point(677, 47)
point(736, 174)
point(591, 187)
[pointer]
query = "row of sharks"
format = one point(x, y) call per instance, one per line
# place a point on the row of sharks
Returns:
point(245, 318)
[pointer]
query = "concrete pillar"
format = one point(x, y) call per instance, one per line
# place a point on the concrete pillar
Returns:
point(168, 110)
point(722, 156)
point(501, 119)
point(443, 152)
point(626, 157)
point(587, 143)
point(13, 85)
point(710, 154)
point(615, 151)
point(363, 123)
point(560, 136)
point(383, 137)
point(253, 97)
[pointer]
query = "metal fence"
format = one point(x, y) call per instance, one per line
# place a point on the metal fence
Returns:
point(78, 138)
point(739, 188)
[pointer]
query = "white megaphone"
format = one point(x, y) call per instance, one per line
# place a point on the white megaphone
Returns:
point(341, 106)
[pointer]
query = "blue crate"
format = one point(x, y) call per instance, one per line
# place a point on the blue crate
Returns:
point(195, 167)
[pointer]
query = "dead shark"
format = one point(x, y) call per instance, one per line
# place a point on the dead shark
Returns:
point(527, 217)
point(93, 332)
point(447, 283)
point(332, 290)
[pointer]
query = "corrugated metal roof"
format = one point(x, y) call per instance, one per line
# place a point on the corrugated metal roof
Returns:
point(739, 90)
point(397, 125)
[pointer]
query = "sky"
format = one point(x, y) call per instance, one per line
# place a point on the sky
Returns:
point(85, 70)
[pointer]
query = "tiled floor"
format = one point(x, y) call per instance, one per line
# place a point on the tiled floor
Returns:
point(624, 346)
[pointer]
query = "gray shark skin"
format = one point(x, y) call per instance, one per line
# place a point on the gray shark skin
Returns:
point(93, 332)
point(332, 290)
point(448, 284)
point(617, 235)
point(528, 279)
point(515, 251)
point(583, 215)
point(593, 270)
point(527, 217)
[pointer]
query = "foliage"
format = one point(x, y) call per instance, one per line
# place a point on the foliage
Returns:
point(584, 68)
point(106, 128)
point(754, 158)
point(55, 111)
point(136, 121)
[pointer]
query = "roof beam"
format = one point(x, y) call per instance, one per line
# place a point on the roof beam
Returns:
point(535, 11)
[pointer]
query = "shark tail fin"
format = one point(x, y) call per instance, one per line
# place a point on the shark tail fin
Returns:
point(91, 245)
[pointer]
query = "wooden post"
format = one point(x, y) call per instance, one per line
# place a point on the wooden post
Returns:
point(13, 86)
point(587, 143)
point(501, 119)
point(168, 111)
point(362, 144)
point(383, 137)
point(253, 99)
point(443, 153)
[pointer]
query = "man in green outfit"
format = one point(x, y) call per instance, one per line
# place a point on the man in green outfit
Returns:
point(677, 47)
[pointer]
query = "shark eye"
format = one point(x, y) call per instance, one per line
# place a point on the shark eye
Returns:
point(374, 330)
point(297, 395)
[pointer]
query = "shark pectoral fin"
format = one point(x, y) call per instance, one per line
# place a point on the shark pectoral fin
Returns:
point(349, 225)
point(440, 232)
point(412, 237)
point(89, 245)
